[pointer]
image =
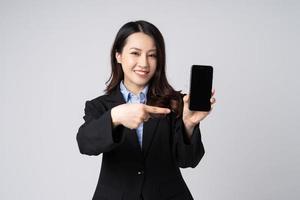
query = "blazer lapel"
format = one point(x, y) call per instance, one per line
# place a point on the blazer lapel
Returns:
point(149, 127)
point(116, 98)
point(149, 130)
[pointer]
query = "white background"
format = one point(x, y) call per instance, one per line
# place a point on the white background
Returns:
point(54, 55)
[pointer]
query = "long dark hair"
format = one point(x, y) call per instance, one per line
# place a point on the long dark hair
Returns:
point(160, 92)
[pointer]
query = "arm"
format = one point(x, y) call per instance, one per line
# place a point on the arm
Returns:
point(188, 146)
point(103, 128)
point(187, 150)
point(97, 134)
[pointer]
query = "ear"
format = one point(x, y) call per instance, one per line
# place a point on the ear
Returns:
point(118, 57)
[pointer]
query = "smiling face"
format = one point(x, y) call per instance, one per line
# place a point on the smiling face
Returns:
point(138, 60)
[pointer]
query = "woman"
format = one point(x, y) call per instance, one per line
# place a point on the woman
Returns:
point(142, 126)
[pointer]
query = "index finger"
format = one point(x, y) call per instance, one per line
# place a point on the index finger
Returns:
point(157, 110)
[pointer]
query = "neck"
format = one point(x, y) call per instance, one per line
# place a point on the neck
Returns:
point(135, 89)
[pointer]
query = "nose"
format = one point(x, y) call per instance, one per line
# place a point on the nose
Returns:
point(143, 61)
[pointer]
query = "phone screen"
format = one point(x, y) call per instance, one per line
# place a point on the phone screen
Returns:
point(200, 88)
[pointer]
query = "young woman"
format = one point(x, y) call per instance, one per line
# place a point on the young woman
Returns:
point(142, 126)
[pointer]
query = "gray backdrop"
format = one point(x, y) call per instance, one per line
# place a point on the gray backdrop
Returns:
point(54, 55)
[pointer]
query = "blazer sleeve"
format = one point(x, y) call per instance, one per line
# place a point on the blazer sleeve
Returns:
point(97, 135)
point(187, 152)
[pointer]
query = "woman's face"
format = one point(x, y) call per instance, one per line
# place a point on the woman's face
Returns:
point(138, 60)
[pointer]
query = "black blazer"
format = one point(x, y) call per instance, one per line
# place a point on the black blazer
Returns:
point(127, 171)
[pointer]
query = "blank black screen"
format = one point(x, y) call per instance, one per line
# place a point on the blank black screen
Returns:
point(200, 88)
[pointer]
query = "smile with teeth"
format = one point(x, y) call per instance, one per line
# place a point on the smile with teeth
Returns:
point(141, 72)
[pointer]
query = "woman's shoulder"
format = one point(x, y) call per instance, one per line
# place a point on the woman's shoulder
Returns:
point(102, 99)
point(106, 98)
point(97, 104)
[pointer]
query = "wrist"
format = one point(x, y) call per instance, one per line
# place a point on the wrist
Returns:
point(188, 124)
point(189, 128)
point(114, 117)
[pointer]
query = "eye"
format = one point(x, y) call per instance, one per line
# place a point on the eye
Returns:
point(135, 53)
point(152, 55)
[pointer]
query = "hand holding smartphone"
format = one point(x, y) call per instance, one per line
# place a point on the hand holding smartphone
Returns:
point(200, 87)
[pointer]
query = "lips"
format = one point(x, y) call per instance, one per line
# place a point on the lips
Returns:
point(141, 72)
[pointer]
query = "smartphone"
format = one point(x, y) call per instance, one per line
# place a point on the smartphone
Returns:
point(200, 87)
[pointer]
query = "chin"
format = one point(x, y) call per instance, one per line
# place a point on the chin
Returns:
point(142, 83)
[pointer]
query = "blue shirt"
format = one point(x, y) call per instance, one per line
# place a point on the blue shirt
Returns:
point(132, 98)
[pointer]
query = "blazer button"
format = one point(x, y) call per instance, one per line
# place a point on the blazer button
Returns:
point(140, 172)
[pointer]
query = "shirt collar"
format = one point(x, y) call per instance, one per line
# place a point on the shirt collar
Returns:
point(127, 94)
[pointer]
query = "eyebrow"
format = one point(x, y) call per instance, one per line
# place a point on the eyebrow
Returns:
point(141, 50)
